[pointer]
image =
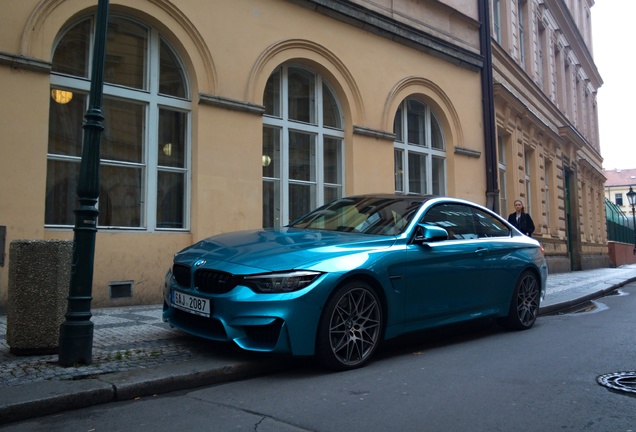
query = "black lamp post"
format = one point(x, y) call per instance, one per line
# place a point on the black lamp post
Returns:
point(76, 332)
point(631, 197)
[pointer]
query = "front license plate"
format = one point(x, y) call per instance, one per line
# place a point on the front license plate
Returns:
point(192, 304)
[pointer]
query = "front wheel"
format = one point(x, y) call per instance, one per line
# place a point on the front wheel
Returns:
point(524, 306)
point(350, 327)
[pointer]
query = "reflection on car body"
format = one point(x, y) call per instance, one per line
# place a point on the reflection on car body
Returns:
point(340, 280)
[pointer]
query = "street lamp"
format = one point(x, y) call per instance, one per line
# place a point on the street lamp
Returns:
point(631, 197)
point(76, 332)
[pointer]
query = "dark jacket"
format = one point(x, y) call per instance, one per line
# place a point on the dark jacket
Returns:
point(525, 224)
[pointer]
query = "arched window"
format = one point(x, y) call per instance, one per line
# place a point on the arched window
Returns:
point(420, 151)
point(303, 135)
point(145, 145)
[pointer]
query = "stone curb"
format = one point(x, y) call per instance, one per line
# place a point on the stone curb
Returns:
point(50, 397)
point(577, 302)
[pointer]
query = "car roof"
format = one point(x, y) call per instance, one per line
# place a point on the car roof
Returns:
point(430, 199)
point(405, 197)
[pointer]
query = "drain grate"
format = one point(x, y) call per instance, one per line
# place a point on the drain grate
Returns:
point(622, 382)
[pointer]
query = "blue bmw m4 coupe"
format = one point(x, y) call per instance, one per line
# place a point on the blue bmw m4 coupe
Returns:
point(363, 269)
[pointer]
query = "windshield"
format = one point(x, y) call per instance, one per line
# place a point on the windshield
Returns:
point(370, 215)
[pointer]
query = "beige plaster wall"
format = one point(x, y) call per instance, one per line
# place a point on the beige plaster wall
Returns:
point(142, 258)
point(229, 50)
point(23, 141)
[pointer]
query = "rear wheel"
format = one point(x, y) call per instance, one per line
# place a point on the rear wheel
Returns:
point(350, 327)
point(524, 306)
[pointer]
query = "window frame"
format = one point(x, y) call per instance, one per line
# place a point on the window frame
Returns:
point(153, 102)
point(527, 156)
point(502, 173)
point(521, 26)
point(403, 149)
point(496, 20)
point(464, 222)
point(618, 199)
point(279, 120)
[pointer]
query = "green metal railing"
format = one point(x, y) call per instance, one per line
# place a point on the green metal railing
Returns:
point(619, 228)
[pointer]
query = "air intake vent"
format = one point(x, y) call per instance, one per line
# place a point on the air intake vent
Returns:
point(181, 274)
point(119, 290)
point(213, 282)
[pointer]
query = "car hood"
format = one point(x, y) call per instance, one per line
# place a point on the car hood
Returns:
point(247, 252)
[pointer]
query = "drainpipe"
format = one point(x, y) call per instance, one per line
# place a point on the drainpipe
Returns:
point(488, 104)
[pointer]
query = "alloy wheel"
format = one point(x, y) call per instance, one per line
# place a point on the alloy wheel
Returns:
point(528, 300)
point(354, 323)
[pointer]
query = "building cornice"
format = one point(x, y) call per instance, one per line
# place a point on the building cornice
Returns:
point(467, 152)
point(570, 134)
point(381, 25)
point(230, 104)
point(23, 62)
point(373, 133)
point(570, 30)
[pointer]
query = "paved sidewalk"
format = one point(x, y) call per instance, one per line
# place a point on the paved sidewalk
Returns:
point(135, 354)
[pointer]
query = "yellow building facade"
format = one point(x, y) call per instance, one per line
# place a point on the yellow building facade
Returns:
point(230, 115)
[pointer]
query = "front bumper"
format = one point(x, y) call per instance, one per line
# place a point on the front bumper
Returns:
point(276, 323)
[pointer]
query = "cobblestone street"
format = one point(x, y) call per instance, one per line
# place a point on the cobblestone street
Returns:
point(124, 338)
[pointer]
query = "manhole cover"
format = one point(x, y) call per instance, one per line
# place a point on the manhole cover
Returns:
point(622, 382)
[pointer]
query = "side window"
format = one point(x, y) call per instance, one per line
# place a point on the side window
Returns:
point(457, 219)
point(488, 226)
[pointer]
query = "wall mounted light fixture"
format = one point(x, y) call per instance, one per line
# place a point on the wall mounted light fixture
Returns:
point(61, 96)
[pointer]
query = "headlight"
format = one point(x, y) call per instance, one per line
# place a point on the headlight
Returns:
point(281, 282)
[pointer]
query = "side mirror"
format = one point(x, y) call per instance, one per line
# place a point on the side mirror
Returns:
point(425, 233)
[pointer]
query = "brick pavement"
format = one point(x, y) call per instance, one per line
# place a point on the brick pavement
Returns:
point(124, 338)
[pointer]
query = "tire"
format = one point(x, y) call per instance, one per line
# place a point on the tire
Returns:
point(350, 328)
point(524, 306)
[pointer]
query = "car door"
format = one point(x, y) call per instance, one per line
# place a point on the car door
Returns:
point(449, 279)
point(505, 261)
